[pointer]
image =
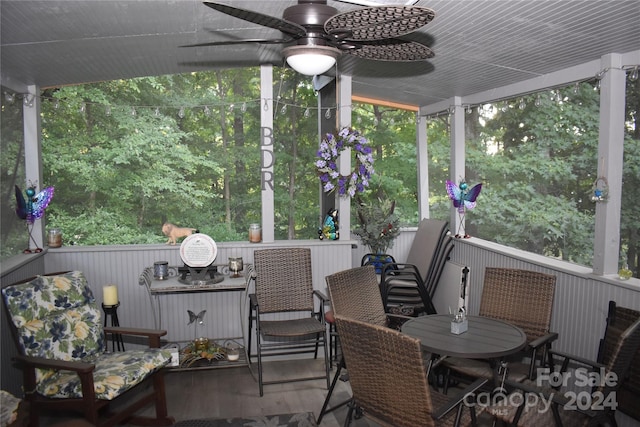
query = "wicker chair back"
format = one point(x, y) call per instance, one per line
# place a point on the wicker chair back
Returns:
point(283, 279)
point(521, 297)
point(386, 373)
point(355, 294)
point(618, 320)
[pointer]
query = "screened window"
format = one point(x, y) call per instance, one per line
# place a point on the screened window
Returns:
point(12, 173)
point(537, 159)
point(391, 132)
point(629, 221)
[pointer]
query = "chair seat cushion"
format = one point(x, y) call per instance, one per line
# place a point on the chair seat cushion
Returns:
point(291, 328)
point(114, 374)
point(56, 317)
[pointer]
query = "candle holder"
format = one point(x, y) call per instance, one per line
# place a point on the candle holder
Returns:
point(161, 270)
point(111, 311)
point(110, 295)
point(235, 266)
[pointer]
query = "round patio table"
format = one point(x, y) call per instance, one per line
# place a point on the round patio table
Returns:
point(486, 338)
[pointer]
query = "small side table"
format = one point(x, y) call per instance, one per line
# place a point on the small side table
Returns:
point(112, 311)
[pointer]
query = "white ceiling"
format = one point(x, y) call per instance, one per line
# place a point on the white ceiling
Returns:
point(479, 44)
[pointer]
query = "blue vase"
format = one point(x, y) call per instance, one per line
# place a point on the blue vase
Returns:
point(378, 261)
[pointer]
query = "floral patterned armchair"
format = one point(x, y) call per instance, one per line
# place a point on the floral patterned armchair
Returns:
point(58, 328)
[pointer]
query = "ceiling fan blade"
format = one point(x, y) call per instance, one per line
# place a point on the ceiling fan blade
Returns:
point(378, 23)
point(286, 27)
point(394, 50)
point(243, 41)
point(378, 3)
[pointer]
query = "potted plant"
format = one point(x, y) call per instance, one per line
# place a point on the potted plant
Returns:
point(378, 226)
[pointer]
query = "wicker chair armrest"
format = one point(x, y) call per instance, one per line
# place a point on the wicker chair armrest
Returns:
point(398, 317)
point(323, 297)
point(253, 300)
point(66, 365)
point(459, 398)
point(395, 321)
point(568, 358)
point(152, 334)
point(544, 340)
point(323, 300)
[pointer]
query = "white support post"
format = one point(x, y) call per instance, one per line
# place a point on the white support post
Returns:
point(422, 152)
point(33, 154)
point(606, 248)
point(267, 155)
point(458, 159)
point(343, 98)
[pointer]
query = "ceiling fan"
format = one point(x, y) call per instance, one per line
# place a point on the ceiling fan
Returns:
point(316, 34)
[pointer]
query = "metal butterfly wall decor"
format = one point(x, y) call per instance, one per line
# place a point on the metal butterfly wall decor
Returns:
point(463, 198)
point(32, 208)
point(199, 317)
point(196, 317)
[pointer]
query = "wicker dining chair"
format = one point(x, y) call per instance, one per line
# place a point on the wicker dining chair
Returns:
point(581, 402)
point(523, 298)
point(355, 293)
point(618, 320)
point(284, 287)
point(389, 381)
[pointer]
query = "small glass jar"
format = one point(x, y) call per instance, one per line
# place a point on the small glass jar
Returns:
point(255, 233)
point(54, 238)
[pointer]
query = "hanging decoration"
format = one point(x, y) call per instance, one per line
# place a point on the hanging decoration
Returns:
point(600, 190)
point(31, 209)
point(463, 198)
point(330, 229)
point(330, 149)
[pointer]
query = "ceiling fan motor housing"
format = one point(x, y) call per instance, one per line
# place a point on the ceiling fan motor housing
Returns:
point(309, 14)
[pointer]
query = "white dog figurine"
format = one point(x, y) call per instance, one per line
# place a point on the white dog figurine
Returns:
point(173, 232)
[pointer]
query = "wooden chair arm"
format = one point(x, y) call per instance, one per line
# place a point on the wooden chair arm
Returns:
point(152, 334)
point(66, 365)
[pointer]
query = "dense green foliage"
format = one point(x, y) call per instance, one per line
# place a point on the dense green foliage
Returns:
point(126, 156)
point(537, 165)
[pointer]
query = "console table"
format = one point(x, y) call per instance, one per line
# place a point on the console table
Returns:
point(175, 283)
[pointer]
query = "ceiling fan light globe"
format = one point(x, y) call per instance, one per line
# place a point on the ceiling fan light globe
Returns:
point(311, 61)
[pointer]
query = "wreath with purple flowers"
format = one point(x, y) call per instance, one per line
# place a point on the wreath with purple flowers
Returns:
point(330, 149)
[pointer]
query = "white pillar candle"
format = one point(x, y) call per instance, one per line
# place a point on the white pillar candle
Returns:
point(110, 295)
